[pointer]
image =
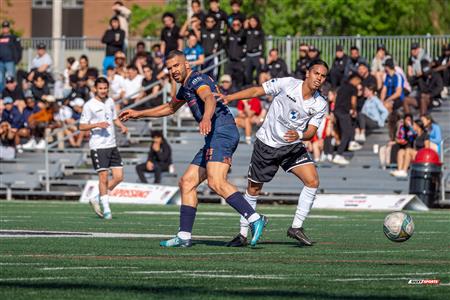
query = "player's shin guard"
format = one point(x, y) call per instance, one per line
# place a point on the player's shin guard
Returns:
point(238, 202)
point(305, 202)
point(243, 222)
point(187, 218)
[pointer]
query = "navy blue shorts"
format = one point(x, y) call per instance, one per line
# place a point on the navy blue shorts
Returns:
point(219, 146)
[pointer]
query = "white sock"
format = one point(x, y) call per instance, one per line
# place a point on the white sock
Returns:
point(305, 202)
point(253, 217)
point(244, 223)
point(104, 199)
point(184, 235)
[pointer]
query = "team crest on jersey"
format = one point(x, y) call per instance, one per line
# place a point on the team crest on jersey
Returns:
point(293, 115)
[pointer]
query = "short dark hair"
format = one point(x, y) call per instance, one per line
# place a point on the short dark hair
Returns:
point(168, 14)
point(39, 75)
point(353, 76)
point(118, 2)
point(83, 56)
point(173, 54)
point(196, 1)
point(354, 48)
point(140, 43)
point(101, 80)
point(156, 133)
point(131, 66)
point(147, 67)
point(233, 2)
point(372, 87)
point(274, 49)
point(71, 60)
point(318, 62)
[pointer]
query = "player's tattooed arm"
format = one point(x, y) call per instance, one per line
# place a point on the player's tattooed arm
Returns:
point(253, 92)
point(204, 92)
point(157, 112)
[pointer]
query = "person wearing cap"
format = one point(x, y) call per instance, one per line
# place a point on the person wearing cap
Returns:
point(10, 53)
point(114, 38)
point(301, 65)
point(11, 113)
point(392, 93)
point(12, 89)
point(42, 62)
point(414, 67)
point(354, 61)
point(377, 68)
point(337, 72)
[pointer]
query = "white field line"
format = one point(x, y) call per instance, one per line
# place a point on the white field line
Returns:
point(180, 271)
point(83, 268)
point(369, 279)
point(223, 214)
point(33, 278)
point(382, 251)
point(247, 276)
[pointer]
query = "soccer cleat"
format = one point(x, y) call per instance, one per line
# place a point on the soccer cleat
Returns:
point(257, 228)
point(176, 242)
point(96, 207)
point(107, 215)
point(238, 241)
point(299, 235)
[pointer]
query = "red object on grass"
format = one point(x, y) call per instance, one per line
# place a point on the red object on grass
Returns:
point(427, 155)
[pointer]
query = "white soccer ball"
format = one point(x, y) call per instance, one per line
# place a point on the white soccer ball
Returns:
point(398, 226)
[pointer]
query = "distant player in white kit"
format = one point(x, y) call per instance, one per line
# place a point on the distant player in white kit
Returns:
point(296, 112)
point(99, 116)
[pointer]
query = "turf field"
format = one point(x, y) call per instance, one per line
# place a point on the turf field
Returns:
point(121, 259)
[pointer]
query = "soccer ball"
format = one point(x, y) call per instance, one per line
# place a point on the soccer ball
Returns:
point(398, 226)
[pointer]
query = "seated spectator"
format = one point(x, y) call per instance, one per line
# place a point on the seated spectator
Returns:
point(366, 78)
point(377, 68)
point(302, 62)
point(403, 137)
point(434, 131)
point(159, 68)
point(414, 66)
point(313, 53)
point(337, 72)
point(392, 93)
point(132, 84)
point(406, 155)
point(120, 63)
point(442, 65)
point(373, 114)
point(12, 89)
point(354, 61)
point(116, 84)
point(249, 114)
point(114, 38)
point(24, 132)
point(41, 63)
point(11, 114)
point(140, 51)
point(194, 53)
point(38, 123)
point(40, 90)
point(150, 79)
point(159, 158)
point(71, 68)
point(226, 88)
point(77, 108)
point(276, 66)
point(140, 62)
point(83, 67)
point(7, 146)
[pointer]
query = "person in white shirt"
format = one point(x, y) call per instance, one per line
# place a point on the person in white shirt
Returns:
point(42, 62)
point(99, 117)
point(133, 83)
point(296, 112)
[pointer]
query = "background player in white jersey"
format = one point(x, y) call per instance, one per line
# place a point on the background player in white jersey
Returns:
point(295, 114)
point(99, 116)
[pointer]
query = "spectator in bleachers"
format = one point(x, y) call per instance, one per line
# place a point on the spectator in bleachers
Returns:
point(255, 40)
point(148, 80)
point(12, 89)
point(11, 114)
point(24, 132)
point(71, 67)
point(414, 67)
point(235, 47)
point(141, 52)
point(191, 25)
point(132, 84)
point(406, 155)
point(345, 109)
point(140, 62)
point(366, 78)
point(392, 93)
point(83, 66)
point(373, 114)
point(301, 65)
point(159, 68)
point(377, 68)
point(114, 38)
point(41, 64)
point(337, 72)
point(170, 35)
point(40, 89)
point(220, 16)
point(249, 114)
point(197, 11)
point(442, 65)
point(211, 42)
point(159, 158)
point(77, 108)
point(354, 61)
point(236, 12)
point(120, 64)
point(313, 53)
point(276, 65)
point(123, 14)
point(434, 130)
point(10, 53)
point(39, 122)
point(7, 146)
point(116, 83)
point(194, 52)
point(226, 88)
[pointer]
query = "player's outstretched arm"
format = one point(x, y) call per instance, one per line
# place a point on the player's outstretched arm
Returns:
point(256, 91)
point(156, 112)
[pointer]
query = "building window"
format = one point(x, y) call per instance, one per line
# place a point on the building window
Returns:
point(65, 3)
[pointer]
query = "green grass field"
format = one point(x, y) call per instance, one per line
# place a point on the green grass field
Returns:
point(351, 259)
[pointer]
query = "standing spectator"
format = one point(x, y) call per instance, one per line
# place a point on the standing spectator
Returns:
point(442, 65)
point(236, 49)
point(302, 62)
point(12, 89)
point(194, 52)
point(159, 158)
point(132, 84)
point(249, 112)
point(236, 12)
point(255, 49)
point(373, 114)
point(392, 93)
point(220, 16)
point(197, 11)
point(123, 14)
point(114, 38)
point(227, 88)
point(354, 61)
point(434, 130)
point(211, 43)
point(276, 65)
point(170, 35)
point(191, 25)
point(414, 68)
point(337, 72)
point(41, 63)
point(10, 53)
point(366, 78)
point(313, 53)
point(377, 68)
point(345, 109)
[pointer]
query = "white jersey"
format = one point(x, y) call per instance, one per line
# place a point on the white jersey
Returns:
point(95, 111)
point(289, 111)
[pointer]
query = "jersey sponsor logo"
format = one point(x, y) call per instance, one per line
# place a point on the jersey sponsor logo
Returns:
point(293, 115)
point(196, 80)
point(291, 98)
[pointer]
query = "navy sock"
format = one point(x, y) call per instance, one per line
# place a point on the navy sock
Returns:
point(238, 202)
point(187, 218)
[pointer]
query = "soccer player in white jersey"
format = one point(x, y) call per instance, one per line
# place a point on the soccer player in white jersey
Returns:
point(296, 112)
point(99, 117)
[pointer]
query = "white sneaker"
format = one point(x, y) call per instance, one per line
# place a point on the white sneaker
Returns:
point(171, 169)
point(354, 146)
point(248, 140)
point(329, 157)
point(30, 145)
point(362, 137)
point(95, 204)
point(357, 137)
point(41, 145)
point(400, 173)
point(340, 160)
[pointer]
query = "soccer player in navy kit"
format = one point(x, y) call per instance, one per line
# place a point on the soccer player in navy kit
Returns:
point(213, 161)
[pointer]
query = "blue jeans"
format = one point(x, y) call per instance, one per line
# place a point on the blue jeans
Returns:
point(6, 68)
point(107, 62)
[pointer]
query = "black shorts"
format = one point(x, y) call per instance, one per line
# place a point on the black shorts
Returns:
point(105, 159)
point(266, 160)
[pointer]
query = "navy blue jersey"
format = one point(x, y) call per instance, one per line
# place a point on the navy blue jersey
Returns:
point(189, 93)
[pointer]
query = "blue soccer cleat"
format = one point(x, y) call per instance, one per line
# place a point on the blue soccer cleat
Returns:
point(176, 242)
point(257, 228)
point(107, 215)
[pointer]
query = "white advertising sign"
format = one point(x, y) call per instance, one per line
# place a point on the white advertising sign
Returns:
point(369, 202)
point(135, 193)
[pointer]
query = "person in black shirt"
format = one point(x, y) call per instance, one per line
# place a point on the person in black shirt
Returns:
point(220, 16)
point(12, 89)
point(337, 72)
point(313, 53)
point(114, 38)
point(236, 48)
point(255, 49)
point(211, 43)
point(367, 79)
point(170, 35)
point(236, 12)
point(301, 65)
point(354, 61)
point(149, 79)
point(39, 89)
point(197, 11)
point(442, 65)
point(159, 158)
point(276, 66)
